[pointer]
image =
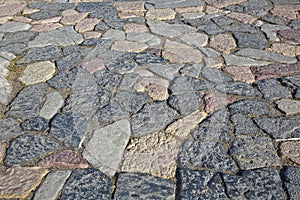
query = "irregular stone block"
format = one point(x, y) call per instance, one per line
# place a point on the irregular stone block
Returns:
point(271, 89)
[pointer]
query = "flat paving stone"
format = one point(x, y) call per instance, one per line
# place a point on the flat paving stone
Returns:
point(10, 10)
point(238, 88)
point(250, 106)
point(243, 125)
point(289, 106)
point(9, 128)
point(110, 112)
point(151, 118)
point(131, 101)
point(11, 27)
point(28, 148)
point(143, 186)
point(35, 124)
point(271, 89)
point(290, 176)
point(185, 103)
point(290, 34)
point(54, 101)
point(241, 73)
point(215, 101)
point(106, 146)
point(72, 135)
point(17, 37)
point(247, 40)
point(243, 61)
point(87, 184)
point(156, 88)
point(290, 150)
point(19, 182)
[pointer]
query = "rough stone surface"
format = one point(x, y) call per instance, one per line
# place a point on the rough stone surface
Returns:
point(64, 159)
point(242, 61)
point(53, 183)
point(285, 49)
point(110, 112)
point(38, 72)
point(54, 101)
point(9, 10)
point(243, 125)
point(128, 46)
point(19, 182)
point(250, 106)
point(271, 89)
point(215, 101)
point(185, 103)
point(223, 42)
point(143, 187)
point(290, 150)
point(35, 124)
point(131, 101)
point(87, 184)
point(289, 106)
point(9, 128)
point(64, 79)
point(247, 40)
point(155, 87)
point(241, 73)
point(151, 118)
point(195, 39)
point(160, 14)
point(27, 148)
point(290, 34)
point(238, 88)
point(106, 146)
point(11, 27)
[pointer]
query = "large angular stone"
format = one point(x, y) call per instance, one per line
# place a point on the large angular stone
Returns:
point(143, 186)
point(64, 36)
point(64, 159)
point(87, 184)
point(168, 71)
point(86, 25)
point(177, 52)
point(10, 10)
point(215, 101)
point(238, 88)
point(290, 150)
point(285, 49)
point(37, 72)
point(161, 14)
point(107, 80)
point(290, 34)
point(247, 40)
point(17, 37)
point(252, 7)
point(209, 185)
point(243, 125)
point(26, 104)
point(185, 103)
point(64, 79)
point(215, 75)
point(271, 89)
point(69, 128)
point(71, 17)
point(241, 73)
point(20, 182)
point(223, 3)
point(250, 106)
point(254, 152)
point(148, 58)
point(128, 46)
point(9, 128)
point(28, 148)
point(195, 39)
point(151, 118)
point(58, 6)
point(68, 62)
point(223, 42)
point(11, 27)
point(106, 146)
point(52, 185)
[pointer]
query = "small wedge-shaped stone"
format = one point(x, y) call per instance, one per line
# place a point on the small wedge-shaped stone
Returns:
point(64, 159)
point(20, 182)
point(106, 146)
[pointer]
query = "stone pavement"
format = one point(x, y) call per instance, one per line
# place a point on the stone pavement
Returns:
point(154, 99)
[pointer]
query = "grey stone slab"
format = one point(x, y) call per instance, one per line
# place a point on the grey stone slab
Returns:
point(64, 36)
point(69, 128)
point(185, 103)
point(231, 25)
point(147, 58)
point(11, 27)
point(265, 55)
point(54, 101)
point(148, 38)
point(275, 19)
point(121, 66)
point(249, 40)
point(243, 125)
point(16, 49)
point(87, 184)
point(175, 4)
point(107, 80)
point(291, 81)
point(238, 88)
point(28, 148)
point(193, 70)
point(131, 101)
point(208, 155)
point(195, 39)
point(168, 71)
point(281, 127)
point(109, 113)
point(254, 184)
point(250, 106)
point(271, 89)
point(52, 185)
point(26, 104)
point(68, 62)
point(151, 118)
point(295, 24)
point(242, 61)
point(143, 186)
point(128, 81)
point(252, 7)
point(289, 106)
point(9, 128)
point(106, 146)
point(63, 79)
point(283, 2)
point(209, 185)
point(35, 124)
point(17, 37)
point(254, 152)
point(271, 31)
point(41, 54)
point(292, 190)
point(44, 14)
point(89, 6)
point(215, 75)
point(215, 128)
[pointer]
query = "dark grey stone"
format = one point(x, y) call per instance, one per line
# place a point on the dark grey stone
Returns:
point(297, 94)
point(252, 7)
point(214, 128)
point(63, 79)
point(143, 186)
point(92, 42)
point(116, 23)
point(249, 40)
point(185, 103)
point(41, 54)
point(243, 125)
point(186, 84)
point(251, 152)
point(148, 58)
point(68, 62)
point(291, 81)
point(69, 128)
point(254, 184)
point(275, 20)
point(295, 24)
point(215, 75)
point(26, 104)
point(110, 113)
point(68, 50)
point(237, 88)
point(35, 124)
point(151, 118)
point(102, 26)
point(87, 184)
point(104, 97)
point(293, 191)
point(176, 3)
point(209, 155)
point(200, 185)
point(283, 2)
point(121, 66)
point(291, 174)
point(271, 89)
point(128, 81)
point(28, 148)
point(211, 28)
point(16, 49)
point(107, 80)
point(50, 6)
point(280, 128)
point(9, 128)
point(106, 12)
point(250, 106)
point(44, 14)
point(231, 25)
point(89, 6)
point(131, 101)
point(17, 37)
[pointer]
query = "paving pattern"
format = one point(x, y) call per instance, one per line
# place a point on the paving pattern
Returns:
point(153, 99)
